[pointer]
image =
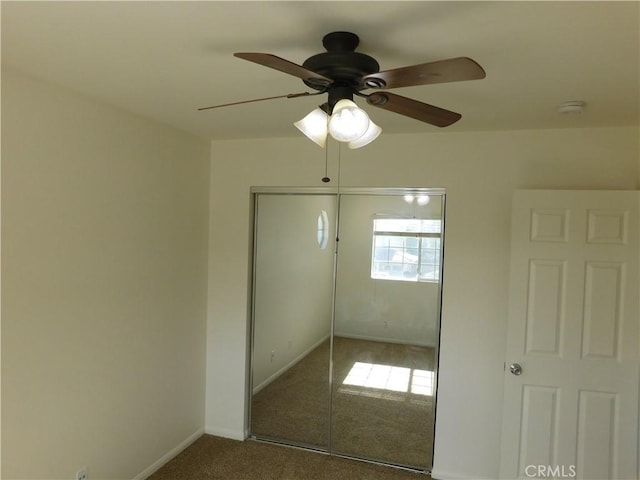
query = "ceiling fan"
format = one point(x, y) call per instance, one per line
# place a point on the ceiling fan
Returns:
point(341, 72)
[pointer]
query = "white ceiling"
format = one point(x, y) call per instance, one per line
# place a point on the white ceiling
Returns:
point(162, 60)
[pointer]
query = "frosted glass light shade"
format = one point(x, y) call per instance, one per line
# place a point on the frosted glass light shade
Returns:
point(369, 136)
point(314, 126)
point(348, 122)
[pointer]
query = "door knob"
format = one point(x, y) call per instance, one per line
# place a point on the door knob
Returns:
point(515, 368)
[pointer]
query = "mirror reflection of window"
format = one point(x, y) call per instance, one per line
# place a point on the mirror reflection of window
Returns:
point(406, 249)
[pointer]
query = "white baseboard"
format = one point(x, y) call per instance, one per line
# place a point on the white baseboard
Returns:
point(437, 474)
point(170, 455)
point(293, 362)
point(226, 433)
point(381, 339)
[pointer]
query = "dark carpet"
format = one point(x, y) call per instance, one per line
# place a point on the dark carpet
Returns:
point(223, 459)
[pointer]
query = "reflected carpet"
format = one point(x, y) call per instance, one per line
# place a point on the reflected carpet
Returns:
point(382, 403)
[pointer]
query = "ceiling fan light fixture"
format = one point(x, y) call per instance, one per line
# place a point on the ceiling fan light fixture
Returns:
point(341, 72)
point(314, 126)
point(369, 136)
point(348, 122)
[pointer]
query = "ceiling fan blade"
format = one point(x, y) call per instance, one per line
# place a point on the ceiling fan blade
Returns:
point(413, 108)
point(290, 95)
point(443, 71)
point(272, 61)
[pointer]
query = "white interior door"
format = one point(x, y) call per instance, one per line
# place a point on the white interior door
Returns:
point(572, 412)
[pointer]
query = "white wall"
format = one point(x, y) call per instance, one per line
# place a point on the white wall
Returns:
point(104, 252)
point(480, 170)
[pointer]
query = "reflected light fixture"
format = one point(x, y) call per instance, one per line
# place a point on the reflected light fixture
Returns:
point(420, 199)
point(348, 123)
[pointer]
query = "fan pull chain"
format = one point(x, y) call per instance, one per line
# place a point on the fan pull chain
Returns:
point(326, 178)
point(339, 164)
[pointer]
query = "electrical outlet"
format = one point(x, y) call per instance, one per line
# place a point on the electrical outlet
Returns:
point(82, 474)
point(273, 355)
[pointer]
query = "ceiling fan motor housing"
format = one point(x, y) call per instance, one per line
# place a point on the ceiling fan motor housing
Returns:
point(340, 62)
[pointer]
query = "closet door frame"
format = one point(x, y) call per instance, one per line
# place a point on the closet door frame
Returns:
point(255, 192)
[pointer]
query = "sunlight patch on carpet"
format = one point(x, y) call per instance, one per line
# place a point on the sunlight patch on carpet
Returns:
point(391, 378)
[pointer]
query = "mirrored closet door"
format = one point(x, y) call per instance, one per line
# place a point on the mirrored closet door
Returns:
point(294, 245)
point(345, 334)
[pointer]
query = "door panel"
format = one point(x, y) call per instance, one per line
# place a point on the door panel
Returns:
point(539, 424)
point(573, 327)
point(602, 309)
point(597, 434)
point(545, 313)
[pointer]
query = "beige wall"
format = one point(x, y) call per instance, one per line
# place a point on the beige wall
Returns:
point(104, 252)
point(104, 223)
point(480, 172)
